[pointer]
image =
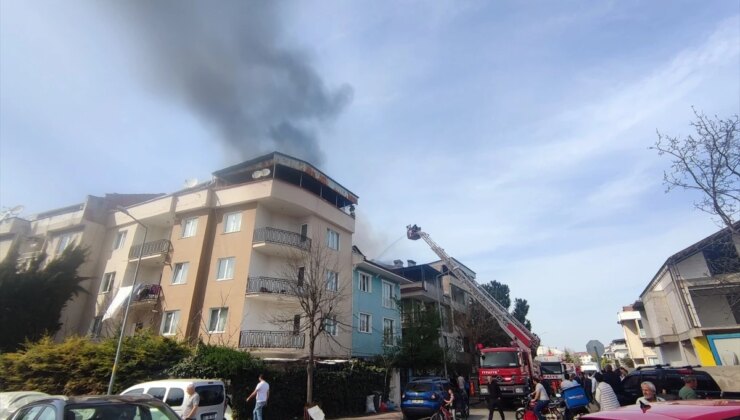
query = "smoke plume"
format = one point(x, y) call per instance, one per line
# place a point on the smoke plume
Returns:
point(228, 62)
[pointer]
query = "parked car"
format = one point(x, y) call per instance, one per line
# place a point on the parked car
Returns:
point(669, 379)
point(212, 394)
point(682, 410)
point(422, 396)
point(96, 407)
point(11, 401)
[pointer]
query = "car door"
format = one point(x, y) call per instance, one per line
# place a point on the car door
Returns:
point(631, 389)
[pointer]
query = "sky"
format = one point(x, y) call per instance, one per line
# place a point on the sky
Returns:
point(517, 134)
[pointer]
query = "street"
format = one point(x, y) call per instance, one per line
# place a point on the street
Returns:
point(476, 413)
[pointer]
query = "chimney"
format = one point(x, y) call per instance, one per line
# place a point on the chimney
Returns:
point(411, 263)
point(397, 263)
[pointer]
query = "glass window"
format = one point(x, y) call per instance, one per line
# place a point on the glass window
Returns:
point(210, 395)
point(180, 273)
point(225, 268)
point(96, 326)
point(169, 322)
point(332, 239)
point(107, 284)
point(499, 359)
point(365, 283)
point(189, 227)
point(48, 413)
point(332, 281)
point(389, 295)
point(304, 232)
point(175, 397)
point(217, 322)
point(157, 393)
point(389, 329)
point(296, 324)
point(120, 240)
point(232, 222)
point(30, 413)
point(64, 242)
point(330, 325)
point(365, 323)
point(134, 391)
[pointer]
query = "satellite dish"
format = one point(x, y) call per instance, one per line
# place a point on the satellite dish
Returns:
point(191, 182)
point(260, 173)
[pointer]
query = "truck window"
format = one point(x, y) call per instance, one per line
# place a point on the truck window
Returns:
point(499, 359)
point(551, 368)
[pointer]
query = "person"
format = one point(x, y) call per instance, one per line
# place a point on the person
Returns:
point(460, 383)
point(494, 398)
point(604, 394)
point(568, 382)
point(262, 394)
point(192, 400)
point(688, 391)
point(649, 395)
point(539, 397)
point(612, 378)
point(450, 401)
point(622, 373)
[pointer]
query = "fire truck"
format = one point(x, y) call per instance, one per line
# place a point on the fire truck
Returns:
point(553, 370)
point(513, 366)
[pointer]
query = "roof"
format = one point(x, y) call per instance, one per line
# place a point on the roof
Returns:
point(383, 271)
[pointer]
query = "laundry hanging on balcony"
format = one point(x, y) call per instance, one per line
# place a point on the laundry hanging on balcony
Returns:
point(117, 302)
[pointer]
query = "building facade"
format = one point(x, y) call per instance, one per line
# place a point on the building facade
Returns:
point(634, 332)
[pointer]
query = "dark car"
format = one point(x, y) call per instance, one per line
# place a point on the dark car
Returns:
point(422, 396)
point(93, 407)
point(668, 379)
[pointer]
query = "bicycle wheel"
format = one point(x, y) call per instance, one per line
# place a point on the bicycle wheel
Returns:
point(519, 413)
point(437, 416)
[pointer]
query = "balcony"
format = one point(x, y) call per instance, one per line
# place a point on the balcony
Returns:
point(271, 286)
point(279, 242)
point(146, 294)
point(424, 290)
point(271, 340)
point(156, 252)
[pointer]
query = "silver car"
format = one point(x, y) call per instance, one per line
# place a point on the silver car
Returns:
point(96, 407)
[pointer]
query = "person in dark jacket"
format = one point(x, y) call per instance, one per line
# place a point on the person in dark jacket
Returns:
point(587, 386)
point(612, 378)
point(494, 398)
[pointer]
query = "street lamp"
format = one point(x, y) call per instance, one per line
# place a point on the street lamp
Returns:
point(128, 301)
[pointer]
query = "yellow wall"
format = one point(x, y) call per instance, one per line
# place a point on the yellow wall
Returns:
point(703, 351)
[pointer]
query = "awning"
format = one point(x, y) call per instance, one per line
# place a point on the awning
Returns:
point(120, 299)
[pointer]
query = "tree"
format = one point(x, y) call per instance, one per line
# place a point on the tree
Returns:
point(420, 347)
point(521, 309)
point(708, 162)
point(314, 280)
point(32, 298)
point(480, 326)
point(628, 362)
point(498, 291)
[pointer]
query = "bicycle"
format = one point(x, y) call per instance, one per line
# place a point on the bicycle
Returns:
point(443, 413)
point(551, 411)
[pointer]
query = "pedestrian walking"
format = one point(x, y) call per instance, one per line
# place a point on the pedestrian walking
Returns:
point(262, 394)
point(604, 395)
point(493, 399)
point(192, 401)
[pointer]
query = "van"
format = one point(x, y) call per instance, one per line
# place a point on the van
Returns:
point(172, 391)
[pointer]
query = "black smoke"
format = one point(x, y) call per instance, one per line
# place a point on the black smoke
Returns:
point(229, 62)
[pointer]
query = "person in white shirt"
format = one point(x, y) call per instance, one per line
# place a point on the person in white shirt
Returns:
point(648, 394)
point(192, 400)
point(262, 393)
point(539, 397)
point(604, 394)
point(567, 383)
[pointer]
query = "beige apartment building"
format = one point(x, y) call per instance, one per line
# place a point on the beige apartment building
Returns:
point(214, 261)
point(634, 333)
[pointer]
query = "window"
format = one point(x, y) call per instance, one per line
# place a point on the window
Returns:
point(169, 322)
point(388, 331)
point(157, 392)
point(225, 268)
point(296, 324)
point(180, 273)
point(189, 227)
point(640, 328)
point(304, 232)
point(301, 274)
point(365, 323)
point(389, 295)
point(332, 239)
point(64, 242)
point(107, 284)
point(96, 326)
point(365, 283)
point(175, 397)
point(332, 281)
point(232, 222)
point(330, 325)
point(120, 240)
point(217, 323)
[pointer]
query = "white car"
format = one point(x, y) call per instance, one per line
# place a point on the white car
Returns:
point(12, 401)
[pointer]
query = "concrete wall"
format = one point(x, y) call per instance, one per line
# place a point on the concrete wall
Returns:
point(694, 267)
point(714, 311)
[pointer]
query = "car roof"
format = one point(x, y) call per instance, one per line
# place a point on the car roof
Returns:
point(429, 379)
point(682, 410)
point(176, 381)
point(98, 399)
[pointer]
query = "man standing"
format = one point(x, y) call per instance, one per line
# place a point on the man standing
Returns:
point(494, 398)
point(262, 392)
point(688, 391)
point(192, 400)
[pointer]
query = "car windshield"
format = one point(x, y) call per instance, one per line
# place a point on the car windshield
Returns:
point(499, 359)
point(551, 368)
point(419, 386)
point(119, 411)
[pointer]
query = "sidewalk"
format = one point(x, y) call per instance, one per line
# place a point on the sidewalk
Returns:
point(476, 413)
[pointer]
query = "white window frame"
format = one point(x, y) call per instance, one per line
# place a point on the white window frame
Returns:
point(64, 241)
point(180, 276)
point(189, 227)
point(221, 317)
point(389, 302)
point(120, 239)
point(368, 326)
point(330, 326)
point(332, 281)
point(392, 334)
point(331, 243)
point(229, 269)
point(173, 318)
point(232, 225)
point(362, 276)
point(109, 277)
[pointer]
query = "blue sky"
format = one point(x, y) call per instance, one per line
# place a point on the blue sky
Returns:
point(515, 133)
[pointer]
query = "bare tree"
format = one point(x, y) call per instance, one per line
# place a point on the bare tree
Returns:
point(709, 162)
point(314, 273)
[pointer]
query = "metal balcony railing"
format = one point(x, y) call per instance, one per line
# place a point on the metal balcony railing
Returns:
point(272, 285)
point(147, 293)
point(271, 340)
point(162, 246)
point(283, 237)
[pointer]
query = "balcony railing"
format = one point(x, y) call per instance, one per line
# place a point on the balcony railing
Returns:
point(162, 246)
point(271, 285)
point(271, 340)
point(282, 237)
point(147, 293)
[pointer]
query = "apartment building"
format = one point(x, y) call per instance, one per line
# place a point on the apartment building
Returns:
point(690, 310)
point(634, 332)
